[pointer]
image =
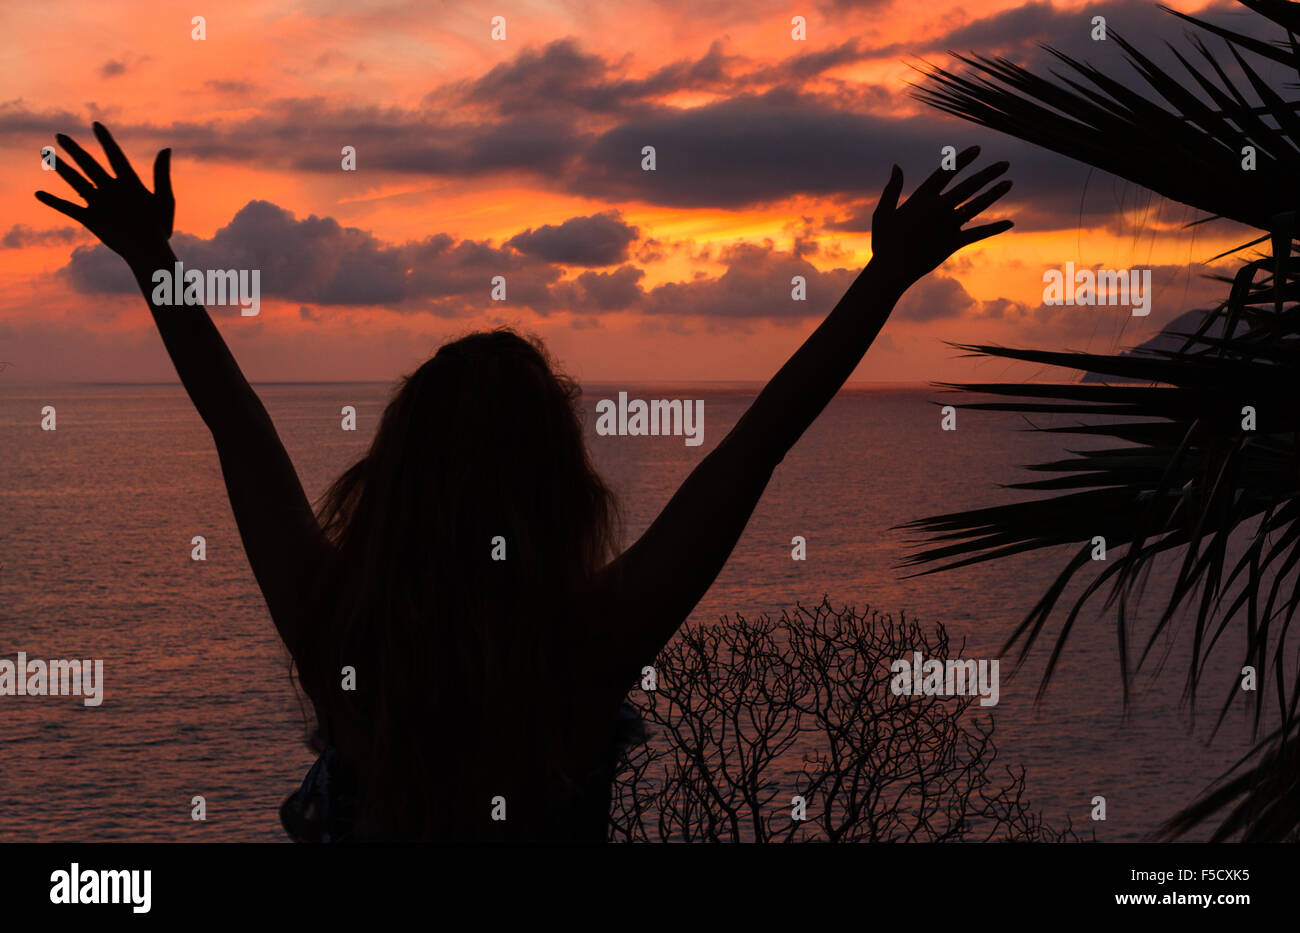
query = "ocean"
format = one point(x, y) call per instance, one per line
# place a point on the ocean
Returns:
point(97, 518)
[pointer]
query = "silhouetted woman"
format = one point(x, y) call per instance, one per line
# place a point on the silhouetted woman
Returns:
point(488, 687)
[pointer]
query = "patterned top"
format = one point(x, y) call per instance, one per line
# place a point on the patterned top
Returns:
point(326, 806)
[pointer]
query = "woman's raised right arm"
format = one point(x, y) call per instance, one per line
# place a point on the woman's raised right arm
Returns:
point(281, 537)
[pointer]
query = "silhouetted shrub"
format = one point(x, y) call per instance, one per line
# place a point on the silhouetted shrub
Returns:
point(748, 714)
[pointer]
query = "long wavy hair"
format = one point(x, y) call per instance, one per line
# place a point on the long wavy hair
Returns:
point(461, 658)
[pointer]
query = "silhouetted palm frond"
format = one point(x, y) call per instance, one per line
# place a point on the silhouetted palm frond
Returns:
point(1207, 437)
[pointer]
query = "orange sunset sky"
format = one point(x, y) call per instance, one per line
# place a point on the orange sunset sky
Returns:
point(522, 158)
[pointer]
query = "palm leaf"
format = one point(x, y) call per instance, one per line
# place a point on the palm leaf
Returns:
point(1184, 477)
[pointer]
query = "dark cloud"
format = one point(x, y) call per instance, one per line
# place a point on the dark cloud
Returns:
point(571, 121)
point(756, 284)
point(317, 262)
point(935, 296)
point(230, 87)
point(560, 76)
point(308, 135)
point(115, 67)
point(19, 124)
point(98, 270)
point(20, 235)
point(598, 240)
point(998, 308)
point(807, 65)
point(1020, 33)
point(741, 151)
point(781, 144)
point(504, 121)
point(1174, 290)
point(619, 290)
point(574, 122)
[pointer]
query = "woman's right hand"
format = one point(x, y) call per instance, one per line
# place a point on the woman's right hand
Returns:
point(911, 240)
point(129, 219)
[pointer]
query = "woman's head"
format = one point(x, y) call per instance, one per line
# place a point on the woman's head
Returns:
point(461, 537)
point(482, 441)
